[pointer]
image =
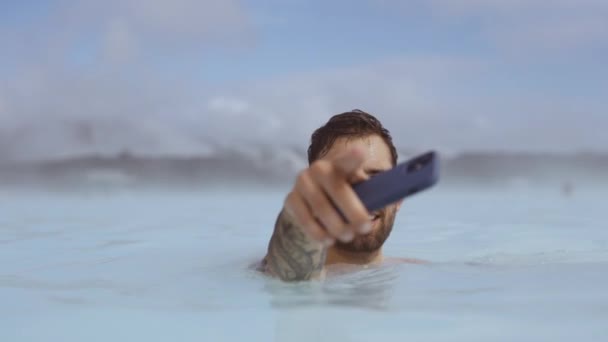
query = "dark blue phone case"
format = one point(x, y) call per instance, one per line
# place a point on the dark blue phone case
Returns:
point(405, 179)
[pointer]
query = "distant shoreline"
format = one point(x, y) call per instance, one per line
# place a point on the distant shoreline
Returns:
point(272, 168)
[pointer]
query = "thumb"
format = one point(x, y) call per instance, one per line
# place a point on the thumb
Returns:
point(350, 162)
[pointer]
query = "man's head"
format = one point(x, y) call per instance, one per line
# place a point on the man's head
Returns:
point(357, 129)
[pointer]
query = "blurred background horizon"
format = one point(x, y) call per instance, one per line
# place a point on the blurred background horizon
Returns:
point(201, 87)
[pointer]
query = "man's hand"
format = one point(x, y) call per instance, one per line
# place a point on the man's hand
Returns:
point(323, 203)
point(321, 208)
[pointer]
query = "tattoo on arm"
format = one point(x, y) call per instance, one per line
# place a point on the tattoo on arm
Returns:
point(291, 254)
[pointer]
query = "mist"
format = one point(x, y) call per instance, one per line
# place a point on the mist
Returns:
point(192, 79)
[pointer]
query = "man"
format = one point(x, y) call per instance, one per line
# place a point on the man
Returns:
point(310, 233)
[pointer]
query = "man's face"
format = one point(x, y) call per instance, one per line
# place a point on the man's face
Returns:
point(377, 159)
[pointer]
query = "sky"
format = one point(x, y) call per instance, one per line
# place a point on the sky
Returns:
point(183, 77)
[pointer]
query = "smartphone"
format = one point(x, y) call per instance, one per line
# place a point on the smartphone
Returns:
point(404, 180)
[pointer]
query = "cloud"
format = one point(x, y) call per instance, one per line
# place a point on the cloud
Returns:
point(228, 106)
point(116, 31)
point(119, 43)
point(446, 103)
point(176, 22)
point(66, 96)
point(536, 26)
point(89, 76)
point(427, 102)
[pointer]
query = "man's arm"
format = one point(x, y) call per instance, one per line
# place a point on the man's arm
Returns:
point(292, 255)
point(321, 208)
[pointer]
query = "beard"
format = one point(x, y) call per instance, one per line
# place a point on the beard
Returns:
point(375, 239)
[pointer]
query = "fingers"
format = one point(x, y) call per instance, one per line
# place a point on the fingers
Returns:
point(323, 202)
point(350, 162)
point(342, 197)
point(349, 204)
point(358, 177)
point(321, 206)
point(298, 210)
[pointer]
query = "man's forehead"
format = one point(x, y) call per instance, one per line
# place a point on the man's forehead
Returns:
point(377, 153)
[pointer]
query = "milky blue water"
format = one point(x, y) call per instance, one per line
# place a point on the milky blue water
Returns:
point(506, 265)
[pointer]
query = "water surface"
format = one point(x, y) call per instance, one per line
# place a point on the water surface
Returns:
point(508, 264)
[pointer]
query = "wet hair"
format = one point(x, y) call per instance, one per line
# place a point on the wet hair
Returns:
point(353, 124)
